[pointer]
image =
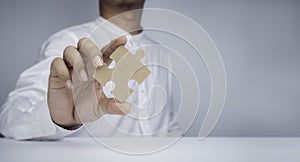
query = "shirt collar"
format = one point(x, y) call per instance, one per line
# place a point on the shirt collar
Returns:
point(114, 28)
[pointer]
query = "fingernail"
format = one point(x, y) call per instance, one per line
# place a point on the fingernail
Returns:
point(69, 84)
point(98, 60)
point(83, 75)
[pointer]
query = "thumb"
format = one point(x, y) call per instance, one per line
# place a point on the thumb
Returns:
point(114, 107)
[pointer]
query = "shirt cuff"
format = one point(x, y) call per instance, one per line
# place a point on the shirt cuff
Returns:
point(40, 125)
point(59, 132)
point(62, 132)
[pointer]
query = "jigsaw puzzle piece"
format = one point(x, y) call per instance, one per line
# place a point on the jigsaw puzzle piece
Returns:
point(103, 74)
point(141, 72)
point(127, 67)
point(119, 53)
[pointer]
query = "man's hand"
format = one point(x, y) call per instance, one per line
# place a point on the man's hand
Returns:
point(74, 96)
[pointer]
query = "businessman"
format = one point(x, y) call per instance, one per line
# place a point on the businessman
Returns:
point(42, 104)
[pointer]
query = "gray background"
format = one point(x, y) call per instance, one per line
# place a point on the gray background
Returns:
point(259, 41)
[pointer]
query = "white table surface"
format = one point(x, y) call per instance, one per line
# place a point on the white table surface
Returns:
point(185, 150)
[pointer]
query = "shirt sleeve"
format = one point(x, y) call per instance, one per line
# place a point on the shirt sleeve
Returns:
point(174, 129)
point(25, 113)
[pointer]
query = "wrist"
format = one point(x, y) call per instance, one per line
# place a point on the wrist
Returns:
point(68, 126)
point(72, 127)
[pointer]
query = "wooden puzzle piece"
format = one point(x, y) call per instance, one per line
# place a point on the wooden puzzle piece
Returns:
point(127, 67)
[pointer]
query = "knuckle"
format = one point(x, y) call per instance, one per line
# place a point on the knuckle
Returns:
point(60, 69)
point(81, 42)
point(120, 40)
point(56, 61)
point(68, 51)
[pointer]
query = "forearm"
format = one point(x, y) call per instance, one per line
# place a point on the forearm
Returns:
point(25, 114)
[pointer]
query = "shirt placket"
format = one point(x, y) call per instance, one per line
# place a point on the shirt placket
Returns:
point(143, 113)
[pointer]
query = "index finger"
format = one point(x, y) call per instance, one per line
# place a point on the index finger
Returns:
point(91, 51)
point(111, 47)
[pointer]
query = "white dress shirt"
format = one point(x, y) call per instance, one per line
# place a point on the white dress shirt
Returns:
point(25, 114)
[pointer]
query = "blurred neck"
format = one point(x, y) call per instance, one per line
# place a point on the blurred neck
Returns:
point(120, 16)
